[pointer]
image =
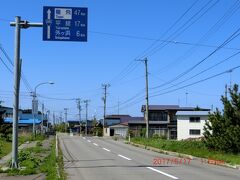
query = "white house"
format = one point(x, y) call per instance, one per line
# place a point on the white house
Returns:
point(190, 124)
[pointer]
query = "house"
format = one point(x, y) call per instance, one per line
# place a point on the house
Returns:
point(26, 121)
point(8, 112)
point(118, 124)
point(118, 130)
point(190, 124)
point(162, 120)
point(25, 125)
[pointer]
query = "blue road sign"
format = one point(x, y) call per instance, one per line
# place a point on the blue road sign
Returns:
point(64, 23)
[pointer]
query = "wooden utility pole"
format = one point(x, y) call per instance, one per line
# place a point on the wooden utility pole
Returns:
point(105, 86)
point(86, 103)
point(147, 100)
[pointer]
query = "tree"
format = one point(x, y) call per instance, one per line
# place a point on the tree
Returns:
point(5, 129)
point(222, 131)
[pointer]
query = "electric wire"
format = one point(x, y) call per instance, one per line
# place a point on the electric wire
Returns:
point(165, 41)
point(179, 88)
point(227, 15)
point(182, 28)
point(168, 30)
point(229, 39)
point(203, 71)
point(197, 82)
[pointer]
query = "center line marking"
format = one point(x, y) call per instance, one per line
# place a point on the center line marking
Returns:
point(124, 157)
point(171, 176)
point(88, 140)
point(106, 149)
point(84, 138)
point(95, 144)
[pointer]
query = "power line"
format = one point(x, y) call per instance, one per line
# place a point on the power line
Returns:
point(23, 77)
point(182, 28)
point(128, 69)
point(132, 62)
point(229, 39)
point(162, 40)
point(6, 66)
point(203, 71)
point(169, 29)
point(182, 87)
point(197, 82)
point(53, 98)
point(212, 30)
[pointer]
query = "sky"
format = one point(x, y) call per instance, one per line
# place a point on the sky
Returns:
point(183, 42)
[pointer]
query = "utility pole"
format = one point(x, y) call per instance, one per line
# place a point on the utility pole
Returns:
point(60, 118)
point(48, 116)
point(65, 109)
point(54, 120)
point(105, 86)
point(86, 104)
point(14, 163)
point(78, 100)
point(147, 103)
point(17, 69)
point(34, 112)
point(42, 118)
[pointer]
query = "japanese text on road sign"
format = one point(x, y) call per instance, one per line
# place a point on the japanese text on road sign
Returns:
point(64, 23)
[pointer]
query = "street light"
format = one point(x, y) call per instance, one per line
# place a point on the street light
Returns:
point(34, 104)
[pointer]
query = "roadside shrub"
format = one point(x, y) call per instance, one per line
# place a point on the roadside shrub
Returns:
point(1, 147)
point(143, 132)
point(39, 144)
point(155, 136)
point(28, 160)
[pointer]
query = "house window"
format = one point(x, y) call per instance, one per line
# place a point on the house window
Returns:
point(157, 116)
point(194, 131)
point(194, 119)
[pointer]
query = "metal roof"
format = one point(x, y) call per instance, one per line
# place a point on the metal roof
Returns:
point(192, 113)
point(23, 121)
point(160, 107)
point(170, 107)
point(124, 118)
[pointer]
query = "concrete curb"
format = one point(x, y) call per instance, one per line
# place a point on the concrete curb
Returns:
point(180, 155)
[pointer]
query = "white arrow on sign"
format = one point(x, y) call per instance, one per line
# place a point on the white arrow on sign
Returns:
point(48, 27)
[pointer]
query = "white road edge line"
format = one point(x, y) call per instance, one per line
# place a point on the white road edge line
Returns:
point(95, 144)
point(106, 149)
point(88, 140)
point(124, 157)
point(171, 176)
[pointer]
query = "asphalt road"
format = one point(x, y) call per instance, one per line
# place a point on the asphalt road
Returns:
point(92, 158)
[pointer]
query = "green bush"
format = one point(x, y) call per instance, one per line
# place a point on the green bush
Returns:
point(222, 131)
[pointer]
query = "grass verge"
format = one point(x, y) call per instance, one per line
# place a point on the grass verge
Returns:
point(60, 164)
point(40, 159)
point(6, 145)
point(53, 166)
point(194, 148)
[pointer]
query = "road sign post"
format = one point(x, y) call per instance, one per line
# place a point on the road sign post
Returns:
point(64, 23)
point(59, 24)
